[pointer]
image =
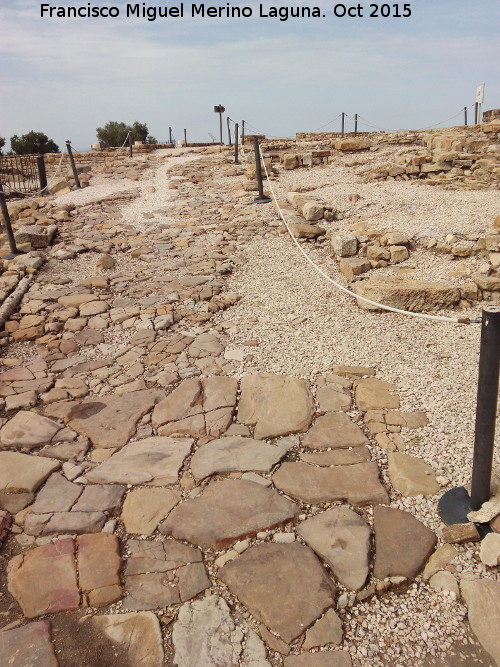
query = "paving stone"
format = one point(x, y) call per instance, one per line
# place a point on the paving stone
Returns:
point(219, 392)
point(22, 473)
point(15, 502)
point(155, 461)
point(402, 543)
point(111, 421)
point(274, 580)
point(205, 634)
point(144, 508)
point(338, 457)
point(321, 659)
point(439, 560)
point(28, 645)
point(162, 573)
point(482, 597)
point(331, 400)
point(327, 630)
point(100, 498)
point(139, 635)
point(99, 565)
point(65, 522)
point(235, 453)
point(228, 510)
point(342, 538)
point(57, 495)
point(27, 430)
point(374, 394)
point(274, 643)
point(43, 580)
point(411, 476)
point(185, 401)
point(459, 533)
point(358, 484)
point(66, 450)
point(275, 405)
point(334, 430)
point(444, 581)
point(490, 550)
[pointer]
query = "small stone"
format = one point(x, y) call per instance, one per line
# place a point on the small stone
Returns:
point(444, 581)
point(411, 476)
point(28, 645)
point(137, 635)
point(439, 560)
point(144, 508)
point(459, 533)
point(482, 597)
point(490, 550)
point(105, 261)
point(327, 630)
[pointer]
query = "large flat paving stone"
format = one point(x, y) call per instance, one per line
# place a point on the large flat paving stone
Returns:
point(144, 508)
point(110, 421)
point(28, 646)
point(154, 461)
point(27, 430)
point(275, 405)
point(235, 454)
point(411, 476)
point(334, 430)
point(22, 473)
point(402, 543)
point(43, 580)
point(482, 597)
point(342, 538)
point(357, 484)
point(99, 564)
point(158, 574)
point(283, 585)
point(375, 394)
point(137, 635)
point(57, 495)
point(227, 511)
point(206, 635)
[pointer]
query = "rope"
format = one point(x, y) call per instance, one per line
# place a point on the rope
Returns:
point(38, 192)
point(437, 318)
point(327, 124)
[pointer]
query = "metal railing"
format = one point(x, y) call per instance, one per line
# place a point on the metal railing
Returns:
point(20, 174)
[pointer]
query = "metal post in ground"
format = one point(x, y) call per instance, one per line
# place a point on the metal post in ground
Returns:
point(476, 113)
point(130, 144)
point(170, 136)
point(456, 503)
point(73, 166)
point(8, 227)
point(185, 138)
point(343, 123)
point(229, 130)
point(242, 132)
point(236, 161)
point(465, 115)
point(261, 199)
point(221, 108)
point(42, 174)
point(486, 410)
point(355, 124)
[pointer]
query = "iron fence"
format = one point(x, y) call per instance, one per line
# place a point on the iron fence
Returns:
point(22, 174)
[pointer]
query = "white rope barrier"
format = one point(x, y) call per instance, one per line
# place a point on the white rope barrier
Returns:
point(436, 318)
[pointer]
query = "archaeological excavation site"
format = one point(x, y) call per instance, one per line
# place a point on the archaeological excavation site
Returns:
point(246, 393)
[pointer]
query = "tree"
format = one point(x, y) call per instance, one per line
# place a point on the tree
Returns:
point(115, 133)
point(33, 142)
point(2, 144)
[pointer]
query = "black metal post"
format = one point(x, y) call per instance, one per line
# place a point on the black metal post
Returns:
point(130, 144)
point(343, 123)
point(486, 410)
point(262, 199)
point(236, 161)
point(355, 124)
point(8, 227)
point(185, 138)
point(476, 113)
point(465, 115)
point(42, 174)
point(242, 132)
point(229, 131)
point(73, 166)
point(220, 123)
point(170, 136)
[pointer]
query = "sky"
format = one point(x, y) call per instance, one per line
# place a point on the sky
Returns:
point(67, 76)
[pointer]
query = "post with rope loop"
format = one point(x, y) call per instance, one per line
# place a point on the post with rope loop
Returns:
point(170, 136)
point(229, 131)
point(42, 173)
point(242, 132)
point(355, 124)
point(476, 113)
point(185, 138)
point(130, 144)
point(261, 199)
point(236, 161)
point(343, 123)
point(73, 166)
point(465, 115)
point(14, 251)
